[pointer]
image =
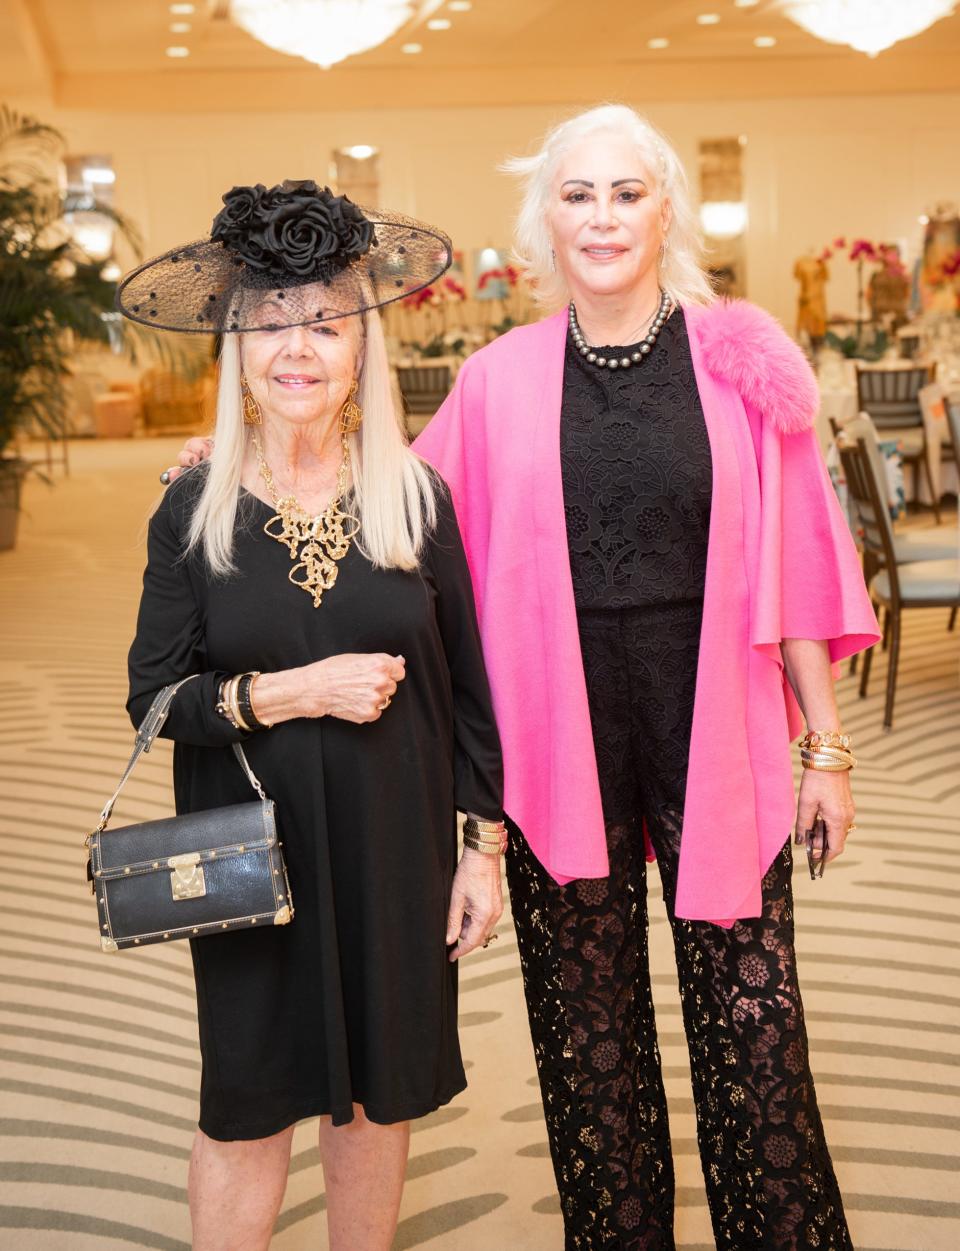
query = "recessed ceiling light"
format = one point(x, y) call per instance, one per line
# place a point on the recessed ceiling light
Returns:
point(439, 23)
point(460, 6)
point(180, 28)
point(708, 19)
point(412, 48)
point(175, 52)
point(745, 4)
point(656, 44)
point(183, 10)
point(765, 41)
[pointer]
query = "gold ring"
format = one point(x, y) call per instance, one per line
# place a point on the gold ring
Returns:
point(851, 827)
point(491, 938)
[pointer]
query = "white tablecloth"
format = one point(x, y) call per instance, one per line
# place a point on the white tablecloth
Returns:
point(838, 402)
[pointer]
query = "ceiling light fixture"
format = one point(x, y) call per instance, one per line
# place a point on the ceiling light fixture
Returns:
point(746, 4)
point(325, 32)
point(439, 23)
point(412, 48)
point(360, 151)
point(183, 10)
point(765, 41)
point(99, 175)
point(178, 52)
point(180, 28)
point(869, 26)
point(708, 19)
point(723, 219)
point(460, 6)
point(657, 44)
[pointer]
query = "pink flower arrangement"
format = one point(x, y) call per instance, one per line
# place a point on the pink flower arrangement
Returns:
point(454, 289)
point(950, 266)
point(840, 243)
point(863, 249)
point(889, 256)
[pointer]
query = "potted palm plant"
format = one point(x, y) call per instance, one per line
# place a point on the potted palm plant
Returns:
point(52, 295)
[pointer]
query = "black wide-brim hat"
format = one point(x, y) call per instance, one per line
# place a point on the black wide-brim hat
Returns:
point(289, 255)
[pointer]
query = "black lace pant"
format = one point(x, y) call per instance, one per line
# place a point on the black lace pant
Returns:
point(583, 947)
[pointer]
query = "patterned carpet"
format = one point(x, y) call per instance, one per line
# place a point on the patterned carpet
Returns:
point(98, 1060)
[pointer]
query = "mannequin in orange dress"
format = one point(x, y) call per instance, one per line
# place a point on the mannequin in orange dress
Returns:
point(812, 274)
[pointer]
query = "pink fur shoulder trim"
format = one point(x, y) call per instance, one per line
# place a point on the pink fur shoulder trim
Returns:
point(746, 346)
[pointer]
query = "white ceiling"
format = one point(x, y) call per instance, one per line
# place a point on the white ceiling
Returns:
point(110, 53)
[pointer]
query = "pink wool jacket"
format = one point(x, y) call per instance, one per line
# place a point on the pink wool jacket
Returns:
point(780, 564)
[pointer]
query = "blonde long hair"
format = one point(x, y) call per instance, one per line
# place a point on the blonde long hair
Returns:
point(393, 490)
point(681, 270)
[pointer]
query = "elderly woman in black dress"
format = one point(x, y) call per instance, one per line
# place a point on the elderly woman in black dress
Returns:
point(318, 560)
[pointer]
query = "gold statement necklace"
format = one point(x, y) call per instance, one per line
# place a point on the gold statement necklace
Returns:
point(316, 542)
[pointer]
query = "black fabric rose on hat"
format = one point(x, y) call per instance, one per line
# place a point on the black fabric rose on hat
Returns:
point(293, 230)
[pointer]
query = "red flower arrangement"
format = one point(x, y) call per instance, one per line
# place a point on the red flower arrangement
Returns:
point(950, 266)
point(417, 299)
point(509, 274)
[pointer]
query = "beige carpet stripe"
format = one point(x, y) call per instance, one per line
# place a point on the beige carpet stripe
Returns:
point(99, 1065)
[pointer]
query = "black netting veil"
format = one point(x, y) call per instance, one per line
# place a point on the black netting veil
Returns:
point(206, 287)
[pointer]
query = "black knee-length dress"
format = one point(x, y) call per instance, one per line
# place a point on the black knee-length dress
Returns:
point(355, 1001)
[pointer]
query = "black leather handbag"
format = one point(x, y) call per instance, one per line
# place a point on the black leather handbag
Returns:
point(187, 876)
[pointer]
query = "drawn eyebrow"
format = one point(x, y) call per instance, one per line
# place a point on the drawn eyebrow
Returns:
point(582, 182)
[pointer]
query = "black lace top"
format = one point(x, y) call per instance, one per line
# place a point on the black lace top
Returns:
point(637, 476)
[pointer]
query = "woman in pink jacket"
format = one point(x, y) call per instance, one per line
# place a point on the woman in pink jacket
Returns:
point(655, 546)
point(663, 580)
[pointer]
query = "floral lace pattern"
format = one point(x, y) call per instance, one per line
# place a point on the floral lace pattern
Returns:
point(635, 462)
point(583, 947)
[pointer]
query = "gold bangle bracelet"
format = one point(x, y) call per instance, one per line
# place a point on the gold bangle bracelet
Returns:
point(828, 756)
point(826, 738)
point(484, 851)
point(235, 704)
point(253, 683)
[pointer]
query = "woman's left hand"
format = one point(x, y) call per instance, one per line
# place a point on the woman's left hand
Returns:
point(829, 795)
point(476, 902)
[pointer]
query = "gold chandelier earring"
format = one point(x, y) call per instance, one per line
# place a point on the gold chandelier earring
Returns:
point(351, 415)
point(252, 412)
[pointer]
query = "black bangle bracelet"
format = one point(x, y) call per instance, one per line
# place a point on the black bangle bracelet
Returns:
point(245, 704)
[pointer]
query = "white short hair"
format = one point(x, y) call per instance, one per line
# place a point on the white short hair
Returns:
point(681, 270)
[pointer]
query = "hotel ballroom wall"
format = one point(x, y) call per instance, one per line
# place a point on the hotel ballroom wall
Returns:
point(815, 167)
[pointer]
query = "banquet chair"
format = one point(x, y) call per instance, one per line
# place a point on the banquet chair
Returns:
point(932, 543)
point(895, 585)
point(892, 399)
point(423, 387)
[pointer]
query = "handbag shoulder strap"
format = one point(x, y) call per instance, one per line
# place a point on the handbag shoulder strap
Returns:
point(149, 728)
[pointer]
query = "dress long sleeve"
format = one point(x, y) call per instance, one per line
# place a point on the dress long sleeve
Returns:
point(478, 765)
point(169, 643)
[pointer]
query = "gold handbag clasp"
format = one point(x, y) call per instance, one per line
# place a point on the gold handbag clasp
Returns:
point(187, 880)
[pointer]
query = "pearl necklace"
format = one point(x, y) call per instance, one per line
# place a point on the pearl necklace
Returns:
point(620, 362)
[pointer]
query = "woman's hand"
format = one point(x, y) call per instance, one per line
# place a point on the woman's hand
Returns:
point(829, 795)
point(355, 687)
point(476, 902)
point(192, 453)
